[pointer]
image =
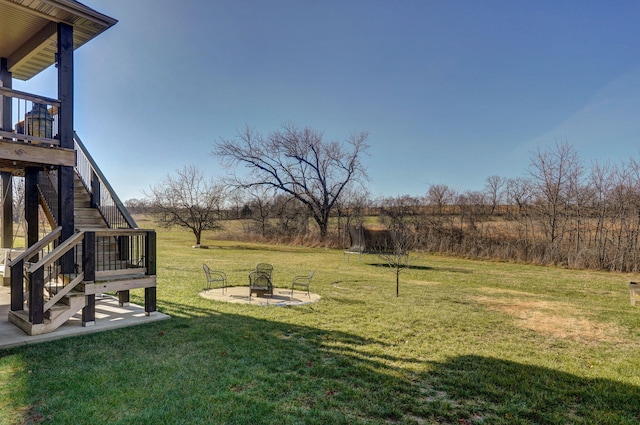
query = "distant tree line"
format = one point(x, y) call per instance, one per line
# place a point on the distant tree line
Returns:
point(561, 213)
point(303, 189)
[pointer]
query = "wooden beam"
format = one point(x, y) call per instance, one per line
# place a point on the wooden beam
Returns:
point(40, 41)
point(34, 154)
point(119, 285)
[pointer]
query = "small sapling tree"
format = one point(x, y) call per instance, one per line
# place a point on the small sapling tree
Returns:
point(395, 250)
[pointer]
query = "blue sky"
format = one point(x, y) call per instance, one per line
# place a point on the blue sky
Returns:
point(449, 91)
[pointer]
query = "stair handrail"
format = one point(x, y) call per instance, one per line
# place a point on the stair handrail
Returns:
point(104, 184)
point(49, 196)
point(58, 252)
point(50, 258)
point(21, 283)
point(33, 249)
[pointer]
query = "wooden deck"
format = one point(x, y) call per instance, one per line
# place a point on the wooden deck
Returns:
point(109, 315)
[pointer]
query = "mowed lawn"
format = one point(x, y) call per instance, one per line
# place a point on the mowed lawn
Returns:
point(467, 342)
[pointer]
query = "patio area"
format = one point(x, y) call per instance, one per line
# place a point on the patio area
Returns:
point(109, 315)
point(240, 294)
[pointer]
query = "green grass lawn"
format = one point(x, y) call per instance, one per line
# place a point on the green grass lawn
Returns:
point(467, 342)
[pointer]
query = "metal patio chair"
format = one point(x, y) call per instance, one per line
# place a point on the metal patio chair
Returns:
point(303, 282)
point(260, 284)
point(214, 276)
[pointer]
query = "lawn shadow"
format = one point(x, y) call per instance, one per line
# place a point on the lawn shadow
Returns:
point(453, 270)
point(214, 368)
point(423, 268)
point(519, 393)
point(204, 366)
point(408, 267)
point(268, 248)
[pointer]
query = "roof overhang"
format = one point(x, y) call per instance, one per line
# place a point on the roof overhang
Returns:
point(28, 31)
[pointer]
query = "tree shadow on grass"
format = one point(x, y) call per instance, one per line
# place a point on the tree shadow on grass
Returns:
point(209, 367)
point(501, 391)
point(424, 268)
point(408, 267)
point(271, 248)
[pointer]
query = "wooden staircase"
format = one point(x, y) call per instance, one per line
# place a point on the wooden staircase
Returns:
point(56, 316)
point(55, 278)
point(86, 217)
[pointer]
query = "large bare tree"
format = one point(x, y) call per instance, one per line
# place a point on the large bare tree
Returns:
point(187, 199)
point(298, 162)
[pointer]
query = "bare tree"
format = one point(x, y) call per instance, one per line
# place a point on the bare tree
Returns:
point(603, 181)
point(494, 189)
point(262, 206)
point(518, 197)
point(351, 206)
point(552, 171)
point(187, 199)
point(299, 163)
point(395, 215)
point(440, 195)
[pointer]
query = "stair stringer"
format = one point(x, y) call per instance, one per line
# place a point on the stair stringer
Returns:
point(59, 316)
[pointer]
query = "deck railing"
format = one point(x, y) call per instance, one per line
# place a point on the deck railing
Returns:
point(119, 250)
point(42, 275)
point(103, 197)
point(35, 118)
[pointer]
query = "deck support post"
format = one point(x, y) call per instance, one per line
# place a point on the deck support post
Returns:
point(5, 105)
point(150, 264)
point(17, 287)
point(7, 186)
point(89, 311)
point(65, 173)
point(31, 206)
point(36, 297)
point(123, 298)
point(149, 301)
point(89, 269)
point(7, 210)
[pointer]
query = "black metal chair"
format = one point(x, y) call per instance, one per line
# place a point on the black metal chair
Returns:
point(302, 281)
point(260, 284)
point(214, 276)
point(266, 269)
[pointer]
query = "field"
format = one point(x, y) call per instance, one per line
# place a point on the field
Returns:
point(466, 342)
